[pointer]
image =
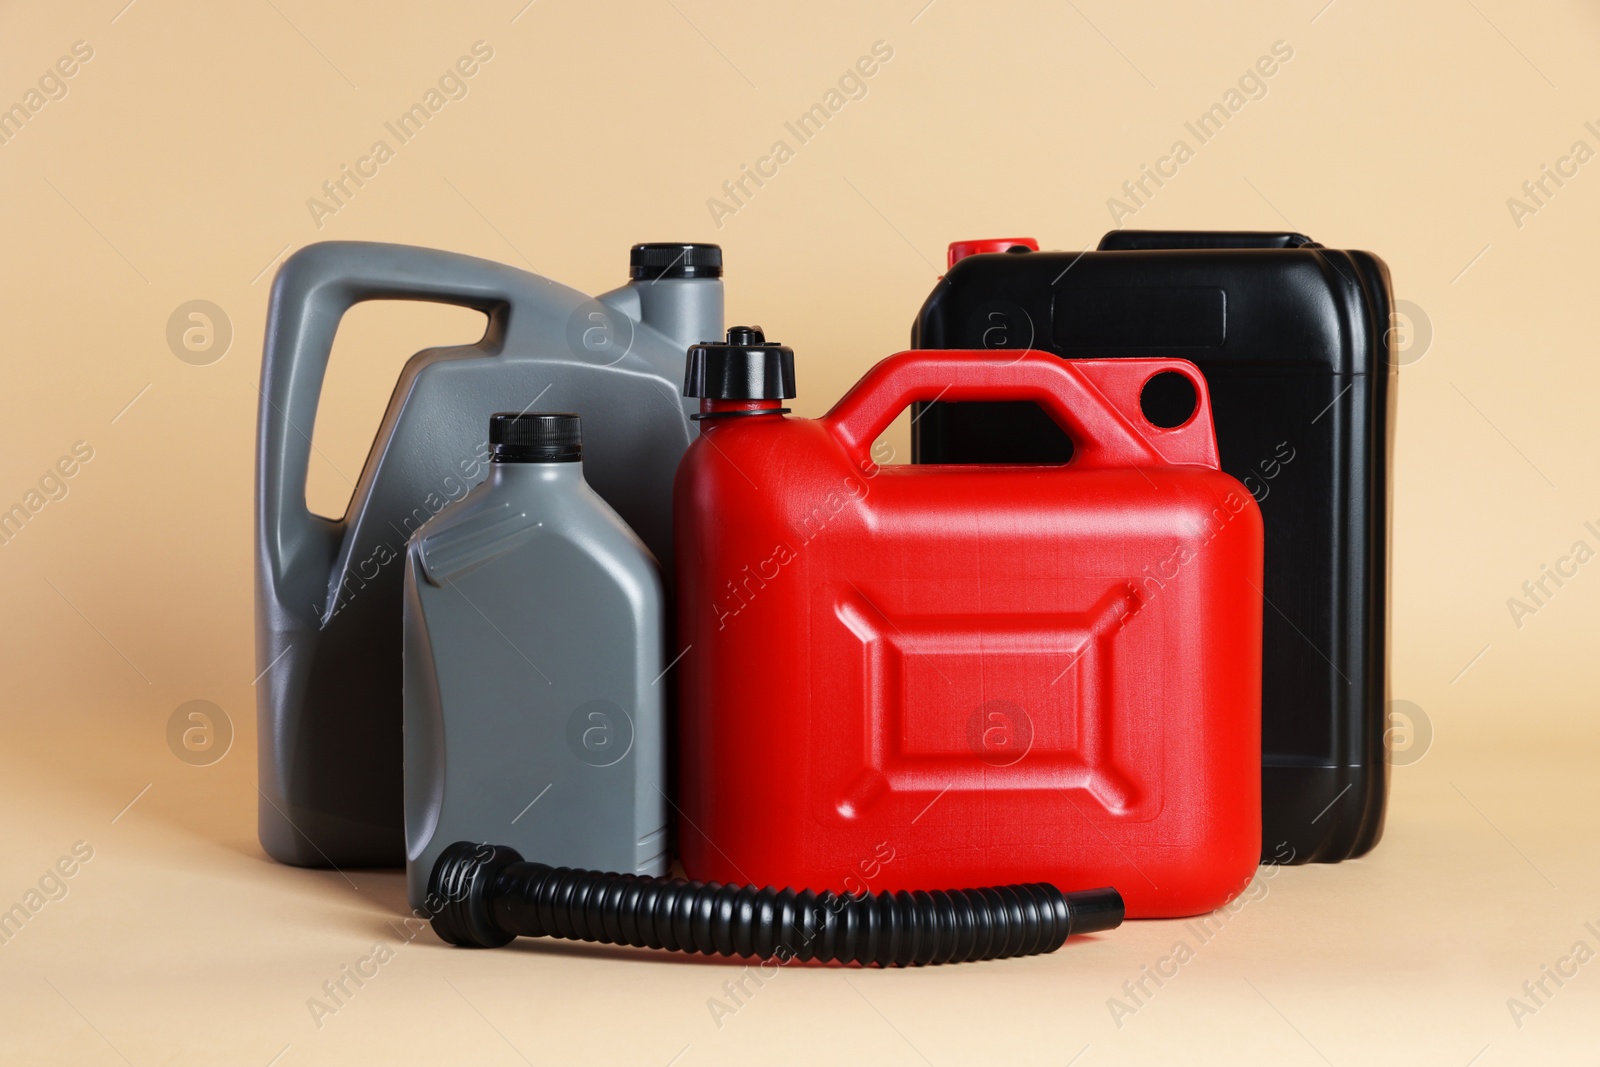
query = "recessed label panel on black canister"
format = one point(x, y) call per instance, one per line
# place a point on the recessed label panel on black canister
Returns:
point(1139, 317)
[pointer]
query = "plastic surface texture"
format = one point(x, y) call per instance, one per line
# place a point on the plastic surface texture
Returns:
point(328, 591)
point(534, 624)
point(484, 895)
point(993, 674)
point(1294, 343)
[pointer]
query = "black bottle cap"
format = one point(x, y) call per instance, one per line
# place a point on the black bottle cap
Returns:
point(674, 259)
point(540, 437)
point(745, 367)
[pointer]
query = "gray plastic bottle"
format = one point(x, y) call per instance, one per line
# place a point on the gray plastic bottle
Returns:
point(328, 592)
point(534, 642)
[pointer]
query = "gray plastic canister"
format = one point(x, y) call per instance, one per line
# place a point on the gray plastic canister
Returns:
point(329, 591)
point(534, 690)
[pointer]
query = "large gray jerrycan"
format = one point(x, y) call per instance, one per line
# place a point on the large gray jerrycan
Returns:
point(329, 592)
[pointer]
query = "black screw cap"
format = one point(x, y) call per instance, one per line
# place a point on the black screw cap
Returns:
point(745, 367)
point(674, 259)
point(540, 437)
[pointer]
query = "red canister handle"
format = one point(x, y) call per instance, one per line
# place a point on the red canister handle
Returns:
point(1096, 401)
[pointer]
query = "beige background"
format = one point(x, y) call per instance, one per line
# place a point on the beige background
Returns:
point(177, 167)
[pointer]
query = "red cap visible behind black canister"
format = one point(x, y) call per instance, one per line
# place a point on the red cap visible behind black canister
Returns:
point(960, 250)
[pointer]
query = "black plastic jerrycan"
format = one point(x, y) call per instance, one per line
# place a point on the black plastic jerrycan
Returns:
point(329, 592)
point(1296, 345)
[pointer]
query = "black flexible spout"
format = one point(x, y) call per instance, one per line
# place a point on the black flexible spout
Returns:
point(486, 895)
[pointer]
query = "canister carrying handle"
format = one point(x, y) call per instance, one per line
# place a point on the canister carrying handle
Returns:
point(1096, 401)
point(313, 290)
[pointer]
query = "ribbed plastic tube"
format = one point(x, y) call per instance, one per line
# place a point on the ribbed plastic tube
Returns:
point(485, 895)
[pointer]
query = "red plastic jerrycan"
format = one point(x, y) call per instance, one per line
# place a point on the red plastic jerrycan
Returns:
point(915, 677)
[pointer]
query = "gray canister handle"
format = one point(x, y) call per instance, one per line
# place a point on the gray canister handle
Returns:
point(313, 290)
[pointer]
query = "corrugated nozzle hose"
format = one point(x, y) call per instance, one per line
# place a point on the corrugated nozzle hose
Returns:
point(483, 896)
